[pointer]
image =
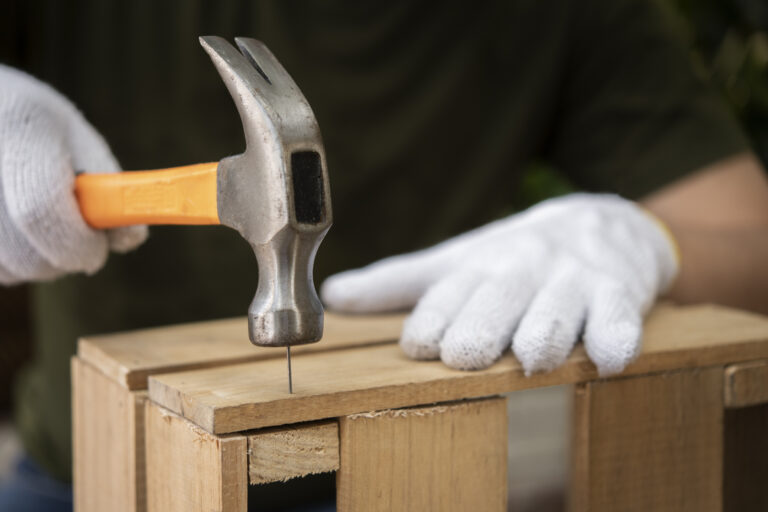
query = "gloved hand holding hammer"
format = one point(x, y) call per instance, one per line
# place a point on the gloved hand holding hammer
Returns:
point(43, 140)
point(275, 194)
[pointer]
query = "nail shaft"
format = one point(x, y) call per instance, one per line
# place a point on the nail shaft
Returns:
point(290, 376)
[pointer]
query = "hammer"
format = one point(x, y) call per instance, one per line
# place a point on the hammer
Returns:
point(276, 194)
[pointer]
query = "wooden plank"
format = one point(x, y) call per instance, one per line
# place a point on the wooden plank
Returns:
point(746, 384)
point(651, 443)
point(578, 495)
point(190, 470)
point(255, 395)
point(108, 443)
point(130, 357)
point(447, 457)
point(279, 454)
point(745, 468)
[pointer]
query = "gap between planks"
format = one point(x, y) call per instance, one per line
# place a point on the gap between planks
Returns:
point(129, 358)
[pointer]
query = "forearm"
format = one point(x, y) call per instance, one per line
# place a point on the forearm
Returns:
point(724, 266)
point(719, 219)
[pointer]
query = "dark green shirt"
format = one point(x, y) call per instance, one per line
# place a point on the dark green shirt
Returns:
point(430, 112)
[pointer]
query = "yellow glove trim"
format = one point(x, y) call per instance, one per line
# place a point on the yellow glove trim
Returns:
point(667, 233)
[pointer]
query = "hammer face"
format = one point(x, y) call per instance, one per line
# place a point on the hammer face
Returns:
point(276, 194)
point(286, 309)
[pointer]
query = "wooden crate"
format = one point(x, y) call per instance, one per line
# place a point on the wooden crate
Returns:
point(185, 417)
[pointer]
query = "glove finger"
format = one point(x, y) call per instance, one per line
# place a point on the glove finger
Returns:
point(391, 284)
point(127, 238)
point(38, 182)
point(551, 326)
point(614, 327)
point(425, 327)
point(483, 328)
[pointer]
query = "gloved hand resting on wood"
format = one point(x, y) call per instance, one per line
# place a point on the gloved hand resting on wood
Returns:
point(43, 140)
point(580, 264)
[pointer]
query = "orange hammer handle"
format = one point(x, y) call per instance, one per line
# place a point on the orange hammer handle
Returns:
point(180, 195)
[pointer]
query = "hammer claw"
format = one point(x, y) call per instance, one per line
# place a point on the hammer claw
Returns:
point(243, 80)
point(265, 62)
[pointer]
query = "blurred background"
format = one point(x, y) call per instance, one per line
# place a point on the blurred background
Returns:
point(729, 41)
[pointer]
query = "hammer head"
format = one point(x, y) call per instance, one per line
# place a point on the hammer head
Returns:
point(276, 194)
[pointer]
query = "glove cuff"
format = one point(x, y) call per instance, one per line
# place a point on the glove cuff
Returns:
point(672, 243)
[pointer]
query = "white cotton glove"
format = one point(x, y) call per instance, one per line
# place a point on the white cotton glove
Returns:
point(583, 263)
point(43, 140)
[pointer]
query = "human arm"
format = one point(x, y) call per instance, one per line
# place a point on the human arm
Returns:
point(719, 219)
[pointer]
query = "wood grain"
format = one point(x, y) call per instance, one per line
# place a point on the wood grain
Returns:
point(578, 487)
point(326, 385)
point(745, 468)
point(279, 454)
point(190, 470)
point(448, 457)
point(130, 357)
point(108, 443)
point(746, 384)
point(651, 443)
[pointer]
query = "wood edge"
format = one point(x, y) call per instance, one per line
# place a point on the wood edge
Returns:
point(169, 399)
point(96, 357)
point(74, 393)
point(218, 420)
point(77, 360)
point(138, 379)
point(276, 429)
point(732, 396)
point(429, 409)
point(165, 412)
point(139, 400)
point(729, 400)
point(332, 426)
point(577, 497)
point(89, 350)
point(85, 412)
point(232, 455)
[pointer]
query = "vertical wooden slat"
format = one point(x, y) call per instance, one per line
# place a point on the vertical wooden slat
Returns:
point(190, 470)
point(445, 457)
point(653, 442)
point(108, 449)
point(579, 475)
